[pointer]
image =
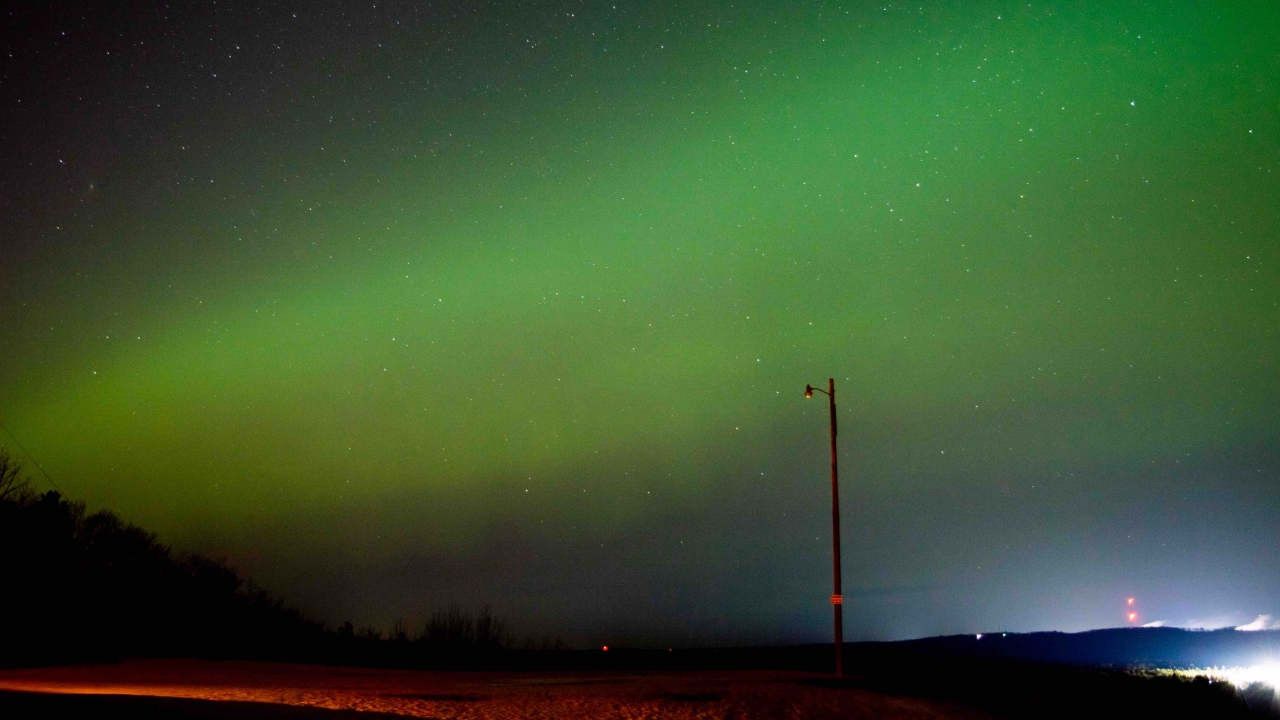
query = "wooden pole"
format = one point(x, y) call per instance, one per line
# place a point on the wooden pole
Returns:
point(837, 600)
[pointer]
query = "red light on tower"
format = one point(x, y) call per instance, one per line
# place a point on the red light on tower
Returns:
point(1130, 601)
point(1133, 617)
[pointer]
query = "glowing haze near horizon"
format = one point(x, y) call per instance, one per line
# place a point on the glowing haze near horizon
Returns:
point(394, 304)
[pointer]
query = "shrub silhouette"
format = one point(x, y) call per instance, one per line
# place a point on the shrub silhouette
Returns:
point(452, 630)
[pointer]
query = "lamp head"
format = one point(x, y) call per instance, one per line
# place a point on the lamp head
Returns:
point(808, 391)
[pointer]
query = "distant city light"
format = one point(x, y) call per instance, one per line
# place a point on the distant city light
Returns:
point(1267, 673)
point(1262, 622)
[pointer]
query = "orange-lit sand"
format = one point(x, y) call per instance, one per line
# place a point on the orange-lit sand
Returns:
point(491, 696)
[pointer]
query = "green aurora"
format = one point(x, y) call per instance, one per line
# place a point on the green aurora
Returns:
point(520, 310)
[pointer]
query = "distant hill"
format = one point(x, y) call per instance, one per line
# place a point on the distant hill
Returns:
point(1115, 647)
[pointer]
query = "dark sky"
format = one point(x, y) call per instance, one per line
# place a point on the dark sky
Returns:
point(394, 304)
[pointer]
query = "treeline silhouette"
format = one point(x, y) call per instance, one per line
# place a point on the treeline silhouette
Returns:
point(450, 639)
point(77, 586)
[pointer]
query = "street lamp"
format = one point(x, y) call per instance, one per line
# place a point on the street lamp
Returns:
point(837, 600)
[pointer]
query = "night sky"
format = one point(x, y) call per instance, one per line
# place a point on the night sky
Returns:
point(394, 304)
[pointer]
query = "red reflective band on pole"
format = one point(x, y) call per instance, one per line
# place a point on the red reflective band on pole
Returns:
point(837, 599)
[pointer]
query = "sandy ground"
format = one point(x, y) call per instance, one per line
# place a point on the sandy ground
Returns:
point(491, 696)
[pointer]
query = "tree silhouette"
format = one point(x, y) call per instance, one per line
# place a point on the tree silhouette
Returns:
point(83, 586)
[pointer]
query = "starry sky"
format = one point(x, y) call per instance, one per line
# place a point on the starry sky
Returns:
point(398, 303)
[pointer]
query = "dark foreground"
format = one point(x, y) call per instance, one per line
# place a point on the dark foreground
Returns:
point(200, 689)
point(141, 707)
point(928, 690)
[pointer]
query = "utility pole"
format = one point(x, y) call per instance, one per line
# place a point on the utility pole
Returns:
point(837, 600)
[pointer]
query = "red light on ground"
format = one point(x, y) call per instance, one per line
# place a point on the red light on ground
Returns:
point(605, 648)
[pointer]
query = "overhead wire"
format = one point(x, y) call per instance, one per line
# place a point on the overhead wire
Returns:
point(18, 442)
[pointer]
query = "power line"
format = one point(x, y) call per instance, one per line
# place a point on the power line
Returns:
point(33, 457)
